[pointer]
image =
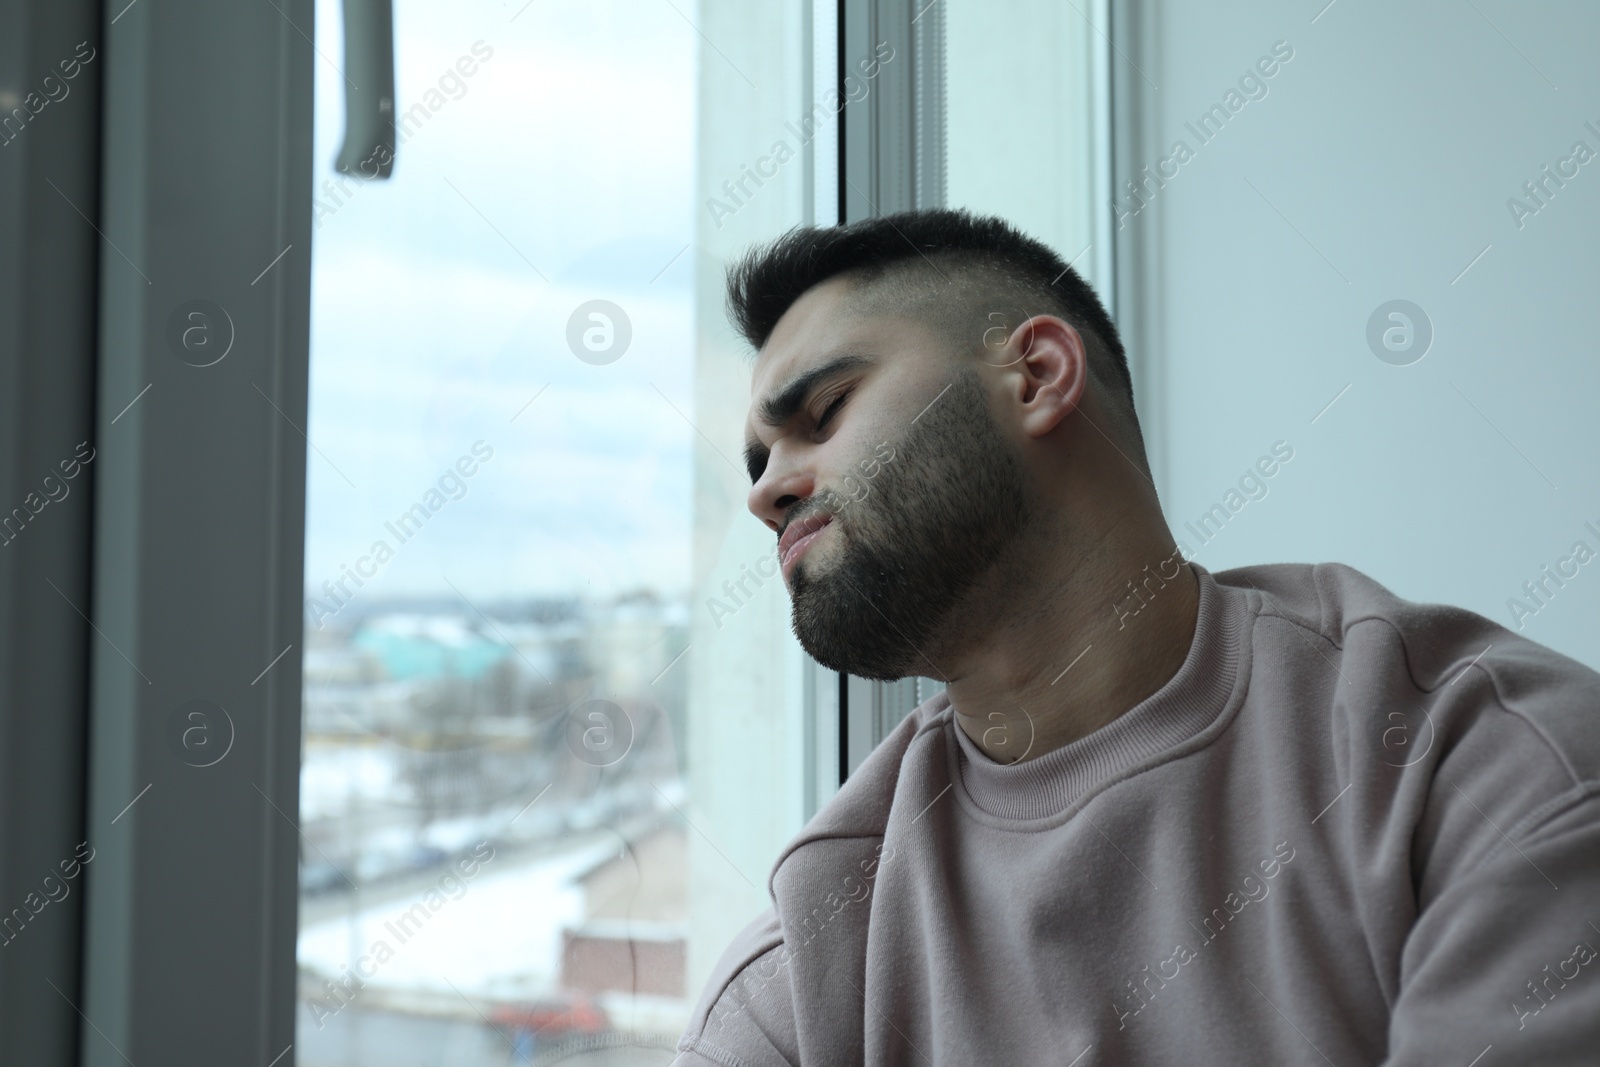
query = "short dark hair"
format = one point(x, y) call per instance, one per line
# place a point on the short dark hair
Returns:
point(945, 264)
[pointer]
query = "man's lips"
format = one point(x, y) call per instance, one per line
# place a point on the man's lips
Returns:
point(798, 535)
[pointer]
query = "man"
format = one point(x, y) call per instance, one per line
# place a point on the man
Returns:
point(1270, 815)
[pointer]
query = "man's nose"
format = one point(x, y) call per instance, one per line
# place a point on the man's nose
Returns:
point(780, 487)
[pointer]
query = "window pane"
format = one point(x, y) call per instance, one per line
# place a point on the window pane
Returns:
point(549, 756)
point(1002, 159)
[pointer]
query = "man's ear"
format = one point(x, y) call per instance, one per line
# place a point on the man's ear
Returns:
point(1046, 373)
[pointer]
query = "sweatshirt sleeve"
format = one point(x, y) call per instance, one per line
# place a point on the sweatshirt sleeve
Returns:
point(745, 1017)
point(1508, 959)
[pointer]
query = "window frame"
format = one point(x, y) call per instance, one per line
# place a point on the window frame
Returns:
point(49, 255)
point(198, 534)
point(892, 154)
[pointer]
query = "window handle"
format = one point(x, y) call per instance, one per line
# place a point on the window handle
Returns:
point(368, 150)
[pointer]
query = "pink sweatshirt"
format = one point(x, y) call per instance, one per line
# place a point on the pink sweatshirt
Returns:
point(1351, 829)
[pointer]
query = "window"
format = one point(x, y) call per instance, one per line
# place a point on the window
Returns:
point(554, 733)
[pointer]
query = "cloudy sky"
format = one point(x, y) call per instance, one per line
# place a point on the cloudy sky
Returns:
point(557, 173)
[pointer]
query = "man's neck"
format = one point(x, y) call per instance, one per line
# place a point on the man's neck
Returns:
point(1078, 642)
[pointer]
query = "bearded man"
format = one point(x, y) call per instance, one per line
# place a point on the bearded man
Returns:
point(1275, 814)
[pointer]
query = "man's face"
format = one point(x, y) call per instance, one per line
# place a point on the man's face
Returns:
point(893, 487)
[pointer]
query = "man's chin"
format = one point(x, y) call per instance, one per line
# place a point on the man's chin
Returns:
point(842, 639)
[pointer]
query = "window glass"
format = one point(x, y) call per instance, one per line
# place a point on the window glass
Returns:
point(548, 760)
point(1001, 158)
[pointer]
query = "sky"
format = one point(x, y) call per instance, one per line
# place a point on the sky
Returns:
point(559, 172)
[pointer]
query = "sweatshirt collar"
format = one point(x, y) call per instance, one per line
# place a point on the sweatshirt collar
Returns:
point(1191, 700)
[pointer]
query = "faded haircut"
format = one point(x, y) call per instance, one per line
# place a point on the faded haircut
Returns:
point(960, 274)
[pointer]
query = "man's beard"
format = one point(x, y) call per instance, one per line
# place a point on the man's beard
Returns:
point(933, 522)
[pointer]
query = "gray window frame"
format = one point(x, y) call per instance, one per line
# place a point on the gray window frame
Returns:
point(191, 897)
point(49, 191)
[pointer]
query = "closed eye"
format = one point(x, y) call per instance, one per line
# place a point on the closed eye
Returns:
point(832, 409)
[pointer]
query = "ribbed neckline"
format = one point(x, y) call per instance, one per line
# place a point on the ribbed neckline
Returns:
point(1189, 702)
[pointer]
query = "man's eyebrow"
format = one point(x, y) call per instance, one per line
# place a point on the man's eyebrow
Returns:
point(779, 408)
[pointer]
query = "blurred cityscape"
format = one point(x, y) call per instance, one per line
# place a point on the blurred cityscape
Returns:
point(493, 851)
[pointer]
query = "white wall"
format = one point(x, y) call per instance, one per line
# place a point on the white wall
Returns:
point(1378, 166)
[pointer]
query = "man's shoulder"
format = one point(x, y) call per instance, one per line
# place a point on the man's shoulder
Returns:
point(861, 806)
point(1331, 598)
point(1435, 645)
point(745, 1005)
point(820, 886)
point(855, 817)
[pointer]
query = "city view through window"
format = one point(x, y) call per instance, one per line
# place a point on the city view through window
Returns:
point(543, 776)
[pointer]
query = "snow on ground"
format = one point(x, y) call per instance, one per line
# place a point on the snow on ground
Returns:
point(333, 777)
point(497, 934)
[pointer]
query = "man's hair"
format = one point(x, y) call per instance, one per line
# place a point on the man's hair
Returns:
point(962, 274)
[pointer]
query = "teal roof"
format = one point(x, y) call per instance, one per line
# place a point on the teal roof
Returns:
point(422, 655)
